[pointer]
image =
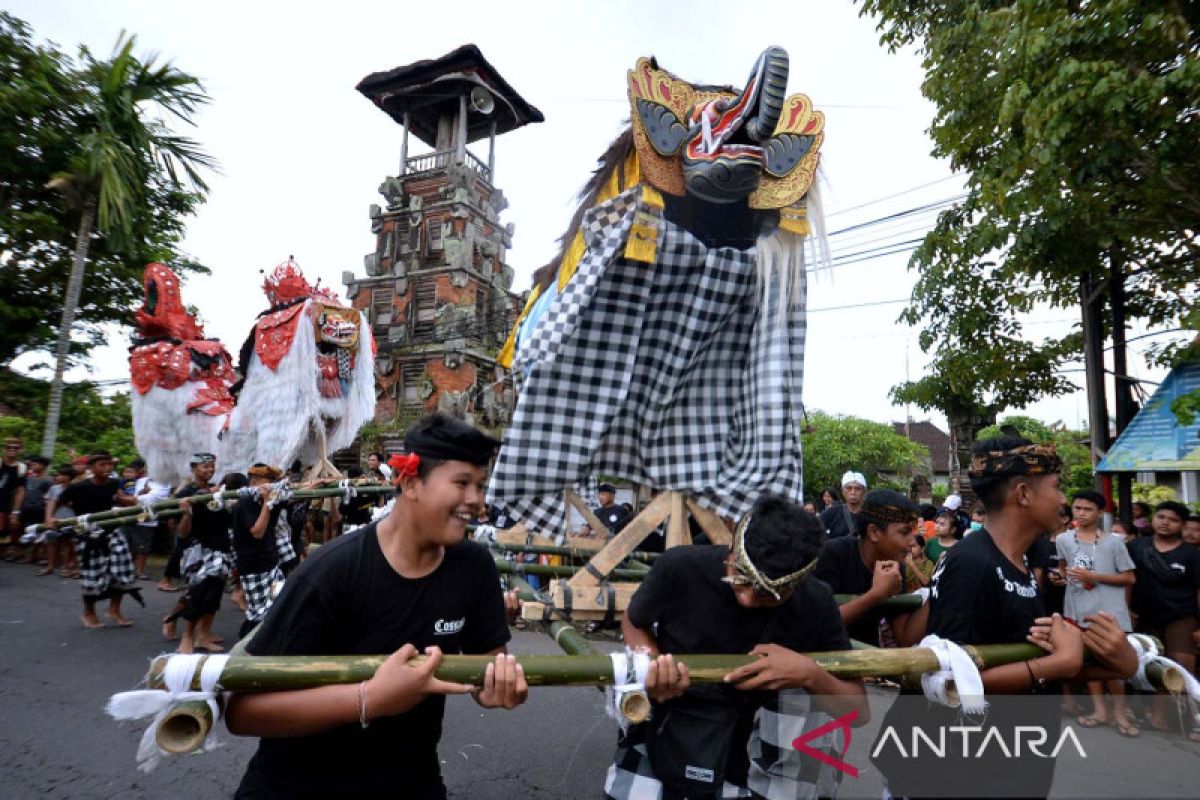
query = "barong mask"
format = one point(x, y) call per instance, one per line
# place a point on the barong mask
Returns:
point(747, 574)
point(721, 145)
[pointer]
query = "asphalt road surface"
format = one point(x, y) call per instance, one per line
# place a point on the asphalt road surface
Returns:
point(57, 742)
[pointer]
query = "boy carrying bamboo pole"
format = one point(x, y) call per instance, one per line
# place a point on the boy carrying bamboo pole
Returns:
point(405, 584)
point(755, 597)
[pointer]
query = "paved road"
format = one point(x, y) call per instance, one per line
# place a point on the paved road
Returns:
point(56, 741)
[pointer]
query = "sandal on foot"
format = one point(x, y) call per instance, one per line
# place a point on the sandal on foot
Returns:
point(1090, 721)
point(44, 571)
point(1128, 730)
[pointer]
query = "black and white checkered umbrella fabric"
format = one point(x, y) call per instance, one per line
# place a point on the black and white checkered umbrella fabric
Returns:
point(682, 374)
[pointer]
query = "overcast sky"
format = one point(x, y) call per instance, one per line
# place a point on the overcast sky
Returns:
point(302, 153)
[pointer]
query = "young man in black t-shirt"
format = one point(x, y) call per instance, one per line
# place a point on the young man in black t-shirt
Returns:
point(756, 597)
point(105, 562)
point(255, 519)
point(208, 559)
point(409, 581)
point(983, 592)
point(1165, 600)
point(871, 563)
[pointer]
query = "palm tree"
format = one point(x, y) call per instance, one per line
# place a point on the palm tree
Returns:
point(122, 148)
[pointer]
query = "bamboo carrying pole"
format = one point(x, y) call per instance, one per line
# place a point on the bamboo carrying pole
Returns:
point(508, 567)
point(279, 673)
point(572, 552)
point(170, 507)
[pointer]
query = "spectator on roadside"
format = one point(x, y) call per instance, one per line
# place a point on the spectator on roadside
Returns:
point(612, 515)
point(1121, 530)
point(1098, 570)
point(141, 534)
point(949, 530)
point(12, 472)
point(978, 519)
point(838, 519)
point(59, 548)
point(1164, 599)
point(1191, 530)
point(377, 468)
point(828, 498)
point(810, 506)
point(919, 567)
point(925, 526)
point(31, 498)
point(1141, 519)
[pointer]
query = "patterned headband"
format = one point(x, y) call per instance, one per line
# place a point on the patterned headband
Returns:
point(1030, 459)
point(773, 586)
point(888, 514)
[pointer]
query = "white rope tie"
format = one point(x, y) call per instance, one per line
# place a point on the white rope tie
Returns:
point(957, 674)
point(178, 674)
point(629, 676)
point(219, 503)
point(32, 536)
point(1148, 653)
point(348, 491)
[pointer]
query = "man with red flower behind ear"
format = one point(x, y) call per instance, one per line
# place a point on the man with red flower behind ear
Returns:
point(407, 583)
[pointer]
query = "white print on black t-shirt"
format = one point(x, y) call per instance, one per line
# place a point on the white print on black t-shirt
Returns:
point(1179, 567)
point(1012, 586)
point(446, 628)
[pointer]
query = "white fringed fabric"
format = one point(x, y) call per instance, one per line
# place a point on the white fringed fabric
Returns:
point(629, 675)
point(276, 418)
point(167, 434)
point(957, 671)
point(177, 675)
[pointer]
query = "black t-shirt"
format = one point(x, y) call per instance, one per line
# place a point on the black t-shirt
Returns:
point(254, 555)
point(1166, 582)
point(10, 479)
point(977, 597)
point(347, 599)
point(696, 612)
point(842, 567)
point(838, 521)
point(1043, 555)
point(209, 528)
point(89, 497)
point(613, 517)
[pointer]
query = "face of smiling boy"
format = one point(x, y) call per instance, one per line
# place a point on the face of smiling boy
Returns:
point(448, 499)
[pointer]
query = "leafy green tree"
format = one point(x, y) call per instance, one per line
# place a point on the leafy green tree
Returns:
point(1072, 446)
point(1075, 125)
point(834, 444)
point(91, 420)
point(43, 100)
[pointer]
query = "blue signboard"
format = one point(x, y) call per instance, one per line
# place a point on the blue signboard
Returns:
point(1155, 441)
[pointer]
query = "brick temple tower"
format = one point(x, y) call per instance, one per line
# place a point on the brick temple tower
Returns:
point(437, 289)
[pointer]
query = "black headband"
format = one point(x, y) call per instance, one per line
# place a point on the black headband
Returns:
point(452, 442)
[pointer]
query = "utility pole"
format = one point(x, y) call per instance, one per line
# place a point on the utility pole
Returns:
point(1122, 384)
point(1091, 300)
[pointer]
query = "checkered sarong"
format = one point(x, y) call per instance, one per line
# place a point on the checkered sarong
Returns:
point(257, 587)
point(672, 374)
point(208, 564)
point(777, 770)
point(283, 540)
point(105, 563)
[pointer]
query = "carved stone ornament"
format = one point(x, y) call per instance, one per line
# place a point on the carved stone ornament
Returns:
point(393, 192)
point(371, 264)
point(401, 286)
point(459, 278)
point(452, 360)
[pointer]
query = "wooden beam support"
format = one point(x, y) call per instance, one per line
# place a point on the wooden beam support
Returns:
point(677, 529)
point(624, 542)
point(594, 522)
point(714, 526)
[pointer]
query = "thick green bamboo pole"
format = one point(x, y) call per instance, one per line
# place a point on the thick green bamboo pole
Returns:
point(509, 568)
point(572, 552)
point(895, 603)
point(129, 514)
point(276, 673)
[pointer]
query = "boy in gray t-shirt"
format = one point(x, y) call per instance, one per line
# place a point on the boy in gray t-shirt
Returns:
point(1097, 568)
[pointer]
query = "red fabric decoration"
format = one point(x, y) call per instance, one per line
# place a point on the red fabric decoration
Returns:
point(404, 466)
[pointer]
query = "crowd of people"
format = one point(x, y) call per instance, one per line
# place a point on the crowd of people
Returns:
point(1022, 566)
point(244, 547)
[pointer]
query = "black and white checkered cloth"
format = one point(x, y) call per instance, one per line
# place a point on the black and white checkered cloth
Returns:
point(105, 563)
point(208, 564)
point(777, 770)
point(283, 540)
point(673, 374)
point(258, 588)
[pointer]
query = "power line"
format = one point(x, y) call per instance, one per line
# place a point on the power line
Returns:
point(891, 196)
